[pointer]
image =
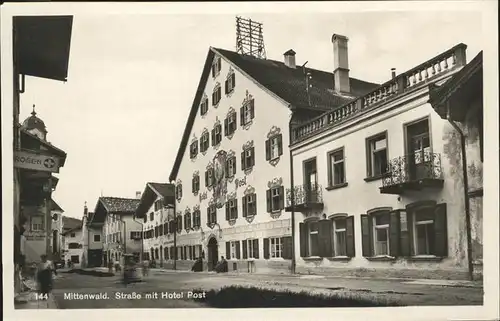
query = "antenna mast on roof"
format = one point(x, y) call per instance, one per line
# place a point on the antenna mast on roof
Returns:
point(249, 38)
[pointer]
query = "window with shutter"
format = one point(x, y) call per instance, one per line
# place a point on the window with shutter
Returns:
point(394, 234)
point(277, 201)
point(247, 112)
point(228, 250)
point(269, 201)
point(381, 233)
point(287, 247)
point(366, 232)
point(266, 248)
point(276, 247)
point(248, 158)
point(238, 249)
point(245, 253)
point(340, 236)
point(255, 246)
point(325, 238)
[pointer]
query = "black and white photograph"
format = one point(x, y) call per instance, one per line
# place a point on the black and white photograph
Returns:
point(249, 157)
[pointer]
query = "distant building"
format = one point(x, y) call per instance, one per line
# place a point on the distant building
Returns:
point(155, 211)
point(114, 217)
point(57, 229)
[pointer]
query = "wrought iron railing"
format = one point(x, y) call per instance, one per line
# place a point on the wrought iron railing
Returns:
point(304, 194)
point(413, 167)
point(421, 75)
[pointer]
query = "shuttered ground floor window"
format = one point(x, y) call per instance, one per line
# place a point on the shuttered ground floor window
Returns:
point(418, 230)
point(278, 247)
point(273, 247)
point(233, 250)
point(250, 249)
point(332, 237)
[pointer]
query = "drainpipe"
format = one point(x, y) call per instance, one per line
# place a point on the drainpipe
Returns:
point(292, 198)
point(142, 238)
point(466, 192)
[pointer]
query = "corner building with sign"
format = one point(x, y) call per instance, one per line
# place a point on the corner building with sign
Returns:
point(393, 200)
point(233, 164)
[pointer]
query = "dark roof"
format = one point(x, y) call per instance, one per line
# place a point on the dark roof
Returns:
point(54, 206)
point(71, 230)
point(151, 193)
point(286, 83)
point(71, 222)
point(470, 73)
point(33, 122)
point(27, 136)
point(119, 205)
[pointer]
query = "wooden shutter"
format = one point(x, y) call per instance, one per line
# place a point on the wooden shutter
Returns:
point(242, 116)
point(192, 185)
point(219, 91)
point(366, 235)
point(233, 80)
point(266, 248)
point(255, 201)
point(208, 214)
point(245, 203)
point(303, 239)
point(282, 197)
point(350, 243)
point(226, 166)
point(200, 251)
point(325, 238)
point(255, 248)
point(226, 86)
point(213, 70)
point(280, 144)
point(213, 98)
point(213, 136)
point(234, 165)
point(228, 250)
point(236, 207)
point(226, 132)
point(252, 151)
point(268, 197)
point(238, 250)
point(206, 178)
point(244, 244)
point(219, 65)
point(288, 245)
point(268, 149)
point(252, 114)
point(243, 166)
point(409, 223)
point(227, 210)
point(394, 239)
point(441, 231)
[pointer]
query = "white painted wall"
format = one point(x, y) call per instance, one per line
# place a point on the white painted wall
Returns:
point(77, 238)
point(159, 218)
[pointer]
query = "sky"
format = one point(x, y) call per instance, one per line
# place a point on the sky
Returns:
point(132, 78)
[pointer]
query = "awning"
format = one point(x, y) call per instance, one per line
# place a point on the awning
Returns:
point(42, 44)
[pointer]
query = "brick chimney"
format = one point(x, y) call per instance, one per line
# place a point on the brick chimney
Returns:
point(340, 64)
point(138, 195)
point(290, 59)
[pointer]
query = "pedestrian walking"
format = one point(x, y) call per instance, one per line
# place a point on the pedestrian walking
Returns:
point(45, 270)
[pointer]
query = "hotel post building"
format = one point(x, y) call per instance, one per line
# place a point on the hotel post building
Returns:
point(233, 163)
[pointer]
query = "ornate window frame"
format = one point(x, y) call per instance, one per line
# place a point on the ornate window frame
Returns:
point(274, 132)
point(210, 167)
point(204, 133)
point(216, 66)
point(276, 182)
point(196, 212)
point(187, 217)
point(196, 175)
point(178, 226)
point(211, 205)
point(230, 155)
point(249, 190)
point(232, 197)
point(194, 155)
point(231, 114)
point(204, 101)
point(248, 102)
point(218, 125)
point(230, 82)
point(178, 190)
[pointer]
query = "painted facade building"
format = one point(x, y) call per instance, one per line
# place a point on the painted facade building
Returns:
point(155, 211)
point(115, 216)
point(233, 163)
point(73, 242)
point(460, 101)
point(68, 223)
point(375, 188)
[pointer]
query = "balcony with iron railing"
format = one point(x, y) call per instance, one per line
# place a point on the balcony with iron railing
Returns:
point(305, 198)
point(413, 172)
point(418, 77)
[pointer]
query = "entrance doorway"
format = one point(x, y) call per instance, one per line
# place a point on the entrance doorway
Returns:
point(213, 254)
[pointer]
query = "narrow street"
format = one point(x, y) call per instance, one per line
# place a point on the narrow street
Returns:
point(180, 282)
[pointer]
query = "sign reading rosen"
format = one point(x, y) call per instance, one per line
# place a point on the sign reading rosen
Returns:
point(36, 162)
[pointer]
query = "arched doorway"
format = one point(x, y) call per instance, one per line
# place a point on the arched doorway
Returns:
point(213, 253)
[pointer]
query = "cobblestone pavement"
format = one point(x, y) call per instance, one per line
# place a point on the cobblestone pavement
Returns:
point(180, 282)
